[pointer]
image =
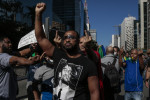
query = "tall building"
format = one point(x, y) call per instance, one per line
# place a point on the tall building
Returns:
point(115, 40)
point(143, 23)
point(148, 24)
point(87, 23)
point(127, 33)
point(136, 35)
point(71, 12)
point(93, 34)
point(27, 16)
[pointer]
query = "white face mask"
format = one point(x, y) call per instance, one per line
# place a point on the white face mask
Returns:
point(115, 53)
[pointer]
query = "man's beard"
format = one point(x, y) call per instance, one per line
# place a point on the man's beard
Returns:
point(6, 50)
point(71, 49)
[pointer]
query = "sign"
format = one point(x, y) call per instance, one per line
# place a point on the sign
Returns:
point(28, 39)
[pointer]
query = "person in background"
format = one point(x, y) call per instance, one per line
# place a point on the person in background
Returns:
point(31, 70)
point(133, 75)
point(110, 93)
point(8, 80)
point(147, 76)
point(86, 50)
point(44, 76)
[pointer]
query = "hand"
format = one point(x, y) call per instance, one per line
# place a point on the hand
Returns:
point(42, 56)
point(35, 58)
point(87, 39)
point(140, 52)
point(147, 84)
point(40, 7)
point(57, 39)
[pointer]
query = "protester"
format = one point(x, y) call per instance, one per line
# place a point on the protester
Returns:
point(77, 74)
point(110, 93)
point(116, 51)
point(31, 70)
point(8, 81)
point(86, 50)
point(133, 75)
point(44, 76)
point(147, 65)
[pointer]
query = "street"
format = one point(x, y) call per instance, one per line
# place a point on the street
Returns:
point(23, 94)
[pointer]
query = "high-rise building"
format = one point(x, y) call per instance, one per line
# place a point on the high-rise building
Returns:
point(143, 23)
point(71, 12)
point(28, 12)
point(127, 33)
point(87, 23)
point(93, 34)
point(115, 40)
point(148, 24)
point(136, 35)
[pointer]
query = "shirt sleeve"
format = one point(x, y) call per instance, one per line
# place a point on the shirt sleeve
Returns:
point(92, 69)
point(4, 60)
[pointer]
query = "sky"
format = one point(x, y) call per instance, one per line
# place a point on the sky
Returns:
point(104, 14)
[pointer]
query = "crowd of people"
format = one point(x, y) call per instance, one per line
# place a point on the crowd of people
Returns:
point(71, 69)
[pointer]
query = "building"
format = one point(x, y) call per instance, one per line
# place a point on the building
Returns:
point(93, 34)
point(137, 37)
point(86, 17)
point(143, 23)
point(71, 12)
point(148, 24)
point(127, 33)
point(115, 40)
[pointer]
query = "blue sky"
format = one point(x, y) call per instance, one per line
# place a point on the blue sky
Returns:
point(104, 14)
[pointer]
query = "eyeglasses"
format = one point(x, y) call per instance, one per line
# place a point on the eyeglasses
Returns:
point(69, 37)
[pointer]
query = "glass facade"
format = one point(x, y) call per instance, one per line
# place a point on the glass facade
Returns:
point(29, 8)
point(71, 13)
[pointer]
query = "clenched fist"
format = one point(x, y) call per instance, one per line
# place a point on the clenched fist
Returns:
point(40, 7)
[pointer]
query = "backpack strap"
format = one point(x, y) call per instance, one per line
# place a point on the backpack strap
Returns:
point(104, 65)
point(114, 62)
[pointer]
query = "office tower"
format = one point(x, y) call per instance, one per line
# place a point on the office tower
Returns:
point(127, 33)
point(143, 23)
point(71, 12)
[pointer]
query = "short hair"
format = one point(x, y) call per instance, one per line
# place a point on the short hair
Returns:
point(117, 48)
point(2, 38)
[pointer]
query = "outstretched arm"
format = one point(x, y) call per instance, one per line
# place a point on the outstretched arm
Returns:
point(44, 43)
point(14, 60)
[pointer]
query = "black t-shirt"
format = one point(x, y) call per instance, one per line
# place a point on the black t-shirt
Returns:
point(71, 76)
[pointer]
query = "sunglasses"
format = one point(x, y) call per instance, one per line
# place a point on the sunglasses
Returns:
point(69, 37)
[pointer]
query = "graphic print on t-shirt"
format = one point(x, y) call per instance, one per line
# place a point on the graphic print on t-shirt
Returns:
point(66, 79)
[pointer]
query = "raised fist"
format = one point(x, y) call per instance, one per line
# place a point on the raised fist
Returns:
point(40, 7)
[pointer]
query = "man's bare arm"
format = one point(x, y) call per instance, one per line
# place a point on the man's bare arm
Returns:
point(44, 43)
point(93, 87)
point(14, 60)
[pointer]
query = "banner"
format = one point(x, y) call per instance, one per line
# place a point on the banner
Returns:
point(28, 39)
